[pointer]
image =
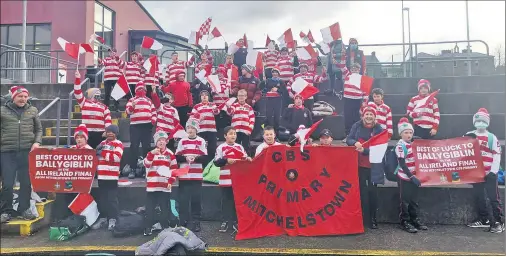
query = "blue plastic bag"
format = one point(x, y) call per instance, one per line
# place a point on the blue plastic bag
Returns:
point(500, 177)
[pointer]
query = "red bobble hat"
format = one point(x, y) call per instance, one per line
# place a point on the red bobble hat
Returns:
point(81, 130)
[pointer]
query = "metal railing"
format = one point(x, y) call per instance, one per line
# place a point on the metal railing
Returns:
point(57, 100)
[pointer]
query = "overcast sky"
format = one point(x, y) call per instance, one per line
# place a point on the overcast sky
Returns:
point(369, 22)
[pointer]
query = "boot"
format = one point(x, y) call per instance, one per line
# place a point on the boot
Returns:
point(406, 226)
point(374, 223)
point(418, 225)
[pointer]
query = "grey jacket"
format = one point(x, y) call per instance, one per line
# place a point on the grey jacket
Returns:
point(168, 238)
point(20, 127)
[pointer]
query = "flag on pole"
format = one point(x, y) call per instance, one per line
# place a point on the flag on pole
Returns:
point(304, 134)
point(301, 87)
point(286, 40)
point(202, 76)
point(306, 53)
point(331, 33)
point(363, 82)
point(377, 145)
point(73, 49)
point(214, 81)
point(325, 47)
point(245, 40)
point(85, 205)
point(267, 41)
point(177, 132)
point(150, 43)
point(194, 38)
point(426, 100)
point(214, 34)
point(120, 89)
point(254, 58)
point(229, 102)
point(310, 37)
point(85, 48)
point(204, 28)
point(151, 65)
point(95, 37)
point(232, 48)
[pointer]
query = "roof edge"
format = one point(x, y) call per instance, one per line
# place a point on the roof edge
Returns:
point(149, 15)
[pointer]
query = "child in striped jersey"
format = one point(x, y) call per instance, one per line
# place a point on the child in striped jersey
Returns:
point(383, 111)
point(204, 112)
point(243, 118)
point(408, 182)
point(228, 153)
point(167, 117)
point(491, 154)
point(426, 117)
point(158, 187)
point(191, 152)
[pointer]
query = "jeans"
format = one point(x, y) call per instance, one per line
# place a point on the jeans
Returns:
point(190, 195)
point(408, 201)
point(273, 111)
point(228, 212)
point(484, 190)
point(351, 113)
point(109, 85)
point(210, 138)
point(368, 195)
point(139, 134)
point(13, 163)
point(154, 199)
point(108, 198)
point(243, 140)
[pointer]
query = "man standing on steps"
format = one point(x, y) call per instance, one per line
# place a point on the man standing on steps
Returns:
point(21, 132)
point(94, 114)
point(113, 67)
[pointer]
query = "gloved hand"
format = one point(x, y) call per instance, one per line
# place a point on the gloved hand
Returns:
point(472, 135)
point(491, 176)
point(416, 181)
point(100, 147)
point(99, 152)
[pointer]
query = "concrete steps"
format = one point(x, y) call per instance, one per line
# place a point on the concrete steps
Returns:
point(28, 227)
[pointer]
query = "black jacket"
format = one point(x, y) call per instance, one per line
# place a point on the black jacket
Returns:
point(293, 118)
point(269, 84)
point(358, 131)
point(240, 57)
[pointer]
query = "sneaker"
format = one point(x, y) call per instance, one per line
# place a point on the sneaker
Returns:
point(100, 223)
point(419, 226)
point(5, 217)
point(235, 226)
point(497, 228)
point(479, 224)
point(406, 226)
point(131, 175)
point(223, 227)
point(28, 215)
point(112, 224)
point(148, 231)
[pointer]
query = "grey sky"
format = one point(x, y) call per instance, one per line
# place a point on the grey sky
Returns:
point(369, 22)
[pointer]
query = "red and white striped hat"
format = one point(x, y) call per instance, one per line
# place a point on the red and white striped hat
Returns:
point(404, 125)
point(16, 90)
point(140, 86)
point(368, 108)
point(423, 82)
point(81, 130)
point(482, 115)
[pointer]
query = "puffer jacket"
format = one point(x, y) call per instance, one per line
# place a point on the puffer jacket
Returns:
point(252, 85)
point(169, 238)
point(20, 127)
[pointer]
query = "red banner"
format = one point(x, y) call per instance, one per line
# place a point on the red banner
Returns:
point(286, 191)
point(450, 161)
point(62, 170)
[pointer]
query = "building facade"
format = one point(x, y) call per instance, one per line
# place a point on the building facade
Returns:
point(451, 63)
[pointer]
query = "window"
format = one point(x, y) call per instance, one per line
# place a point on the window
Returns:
point(104, 27)
point(38, 36)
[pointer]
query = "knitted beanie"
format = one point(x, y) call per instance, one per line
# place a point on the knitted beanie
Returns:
point(112, 128)
point(140, 86)
point(404, 125)
point(160, 134)
point(16, 90)
point(368, 108)
point(81, 130)
point(482, 115)
point(423, 82)
point(192, 122)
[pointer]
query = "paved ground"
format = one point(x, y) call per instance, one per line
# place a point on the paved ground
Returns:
point(388, 240)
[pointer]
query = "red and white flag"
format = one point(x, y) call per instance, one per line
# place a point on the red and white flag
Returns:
point(73, 49)
point(214, 81)
point(325, 47)
point(308, 38)
point(178, 132)
point(304, 134)
point(306, 53)
point(151, 65)
point(95, 37)
point(214, 34)
point(331, 33)
point(286, 40)
point(229, 102)
point(85, 48)
point(232, 48)
point(377, 146)
point(194, 38)
point(85, 205)
point(360, 81)
point(301, 87)
point(120, 89)
point(254, 58)
point(245, 40)
point(233, 153)
point(204, 28)
point(150, 43)
point(267, 41)
point(423, 103)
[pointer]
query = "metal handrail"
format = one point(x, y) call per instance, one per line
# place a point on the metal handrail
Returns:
point(69, 125)
point(34, 52)
point(58, 116)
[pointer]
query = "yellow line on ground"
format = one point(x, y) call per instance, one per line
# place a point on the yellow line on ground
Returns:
point(291, 251)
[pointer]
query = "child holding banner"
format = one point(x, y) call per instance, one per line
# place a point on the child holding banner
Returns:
point(228, 153)
point(491, 154)
point(425, 116)
point(408, 182)
point(191, 152)
point(269, 140)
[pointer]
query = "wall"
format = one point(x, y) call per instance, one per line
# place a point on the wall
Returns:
point(446, 68)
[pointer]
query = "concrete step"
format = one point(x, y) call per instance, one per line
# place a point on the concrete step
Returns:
point(28, 227)
point(51, 130)
point(114, 115)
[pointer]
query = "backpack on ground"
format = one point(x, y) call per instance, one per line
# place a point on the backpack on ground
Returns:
point(391, 163)
point(68, 228)
point(128, 224)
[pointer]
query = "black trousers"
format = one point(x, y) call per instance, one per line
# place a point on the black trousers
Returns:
point(335, 80)
point(351, 113)
point(109, 85)
point(243, 140)
point(139, 134)
point(183, 114)
point(211, 140)
point(60, 209)
point(484, 190)
point(228, 212)
point(309, 104)
point(423, 133)
point(154, 199)
point(95, 138)
point(222, 120)
point(368, 195)
point(408, 194)
point(132, 91)
point(273, 111)
point(13, 163)
point(268, 73)
point(108, 198)
point(190, 195)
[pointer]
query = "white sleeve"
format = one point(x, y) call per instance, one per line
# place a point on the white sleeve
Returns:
point(179, 147)
point(496, 159)
point(259, 149)
point(219, 153)
point(203, 146)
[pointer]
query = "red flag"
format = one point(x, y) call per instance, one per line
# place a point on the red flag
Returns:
point(95, 37)
point(287, 39)
point(302, 35)
point(363, 82)
point(229, 102)
point(194, 38)
point(310, 36)
point(306, 53)
point(245, 40)
point(120, 89)
point(72, 49)
point(234, 153)
point(177, 132)
point(301, 87)
point(85, 205)
point(204, 28)
point(85, 48)
point(151, 65)
point(331, 33)
point(214, 34)
point(304, 134)
point(267, 41)
point(181, 171)
point(425, 101)
point(150, 43)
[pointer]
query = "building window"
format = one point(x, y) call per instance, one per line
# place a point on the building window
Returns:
point(104, 27)
point(38, 36)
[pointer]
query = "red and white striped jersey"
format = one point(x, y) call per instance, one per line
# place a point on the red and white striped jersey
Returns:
point(154, 181)
point(285, 64)
point(309, 77)
point(109, 159)
point(209, 56)
point(188, 147)
point(270, 58)
point(84, 147)
point(152, 80)
point(205, 114)
point(262, 146)
point(223, 96)
point(491, 157)
point(350, 91)
point(203, 66)
point(167, 118)
point(95, 115)
point(225, 178)
point(311, 64)
point(425, 117)
point(133, 72)
point(141, 110)
point(113, 67)
point(174, 68)
point(243, 117)
point(409, 157)
point(383, 116)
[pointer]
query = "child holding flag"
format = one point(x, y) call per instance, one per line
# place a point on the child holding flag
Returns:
point(167, 117)
point(425, 116)
point(243, 118)
point(296, 114)
point(228, 153)
point(204, 112)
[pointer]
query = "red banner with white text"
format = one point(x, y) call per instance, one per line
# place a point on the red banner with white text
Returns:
point(450, 161)
point(286, 191)
point(62, 170)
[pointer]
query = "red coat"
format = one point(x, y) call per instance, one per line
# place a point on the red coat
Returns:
point(251, 85)
point(180, 90)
